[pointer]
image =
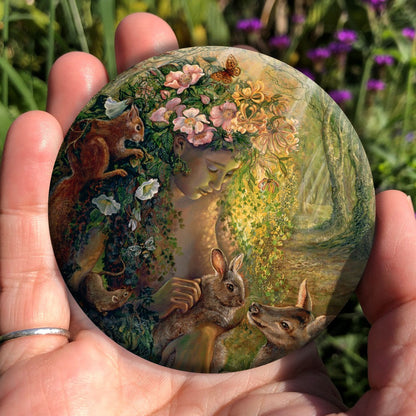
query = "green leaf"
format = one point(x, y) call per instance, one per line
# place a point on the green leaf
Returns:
point(19, 84)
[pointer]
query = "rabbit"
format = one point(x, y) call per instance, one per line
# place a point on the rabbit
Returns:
point(222, 298)
point(286, 328)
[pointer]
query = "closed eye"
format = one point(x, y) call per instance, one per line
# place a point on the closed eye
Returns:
point(212, 168)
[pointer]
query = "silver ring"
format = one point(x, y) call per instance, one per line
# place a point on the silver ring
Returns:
point(34, 331)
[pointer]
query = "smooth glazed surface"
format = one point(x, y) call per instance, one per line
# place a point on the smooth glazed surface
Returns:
point(211, 209)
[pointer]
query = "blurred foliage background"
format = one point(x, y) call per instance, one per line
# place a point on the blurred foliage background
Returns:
point(362, 52)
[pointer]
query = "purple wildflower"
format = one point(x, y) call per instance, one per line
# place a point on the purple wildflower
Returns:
point(298, 18)
point(410, 137)
point(375, 85)
point(377, 5)
point(408, 33)
point(340, 96)
point(318, 54)
point(308, 73)
point(346, 36)
point(249, 25)
point(339, 48)
point(280, 42)
point(382, 60)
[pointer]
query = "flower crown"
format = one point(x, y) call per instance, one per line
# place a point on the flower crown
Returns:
point(219, 109)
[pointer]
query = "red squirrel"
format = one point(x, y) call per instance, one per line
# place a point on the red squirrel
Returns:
point(89, 158)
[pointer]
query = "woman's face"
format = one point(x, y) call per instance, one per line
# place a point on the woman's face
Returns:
point(208, 170)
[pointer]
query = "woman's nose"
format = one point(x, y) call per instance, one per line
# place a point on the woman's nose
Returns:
point(217, 181)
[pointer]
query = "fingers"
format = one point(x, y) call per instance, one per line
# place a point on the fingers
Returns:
point(32, 294)
point(387, 294)
point(77, 76)
point(185, 293)
point(73, 80)
point(141, 36)
point(390, 277)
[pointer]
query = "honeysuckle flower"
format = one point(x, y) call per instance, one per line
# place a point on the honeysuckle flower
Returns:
point(289, 143)
point(409, 33)
point(181, 80)
point(278, 108)
point(267, 184)
point(249, 25)
point(375, 85)
point(281, 136)
point(204, 137)
point(190, 121)
point(384, 60)
point(147, 190)
point(249, 118)
point(107, 205)
point(222, 115)
point(340, 96)
point(114, 108)
point(253, 93)
point(163, 114)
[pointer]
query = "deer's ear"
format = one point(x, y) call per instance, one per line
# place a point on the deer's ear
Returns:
point(218, 261)
point(236, 262)
point(318, 325)
point(304, 299)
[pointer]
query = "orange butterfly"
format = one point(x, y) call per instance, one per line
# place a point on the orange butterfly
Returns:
point(231, 70)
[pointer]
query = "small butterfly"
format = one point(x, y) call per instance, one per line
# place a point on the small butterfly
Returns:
point(231, 70)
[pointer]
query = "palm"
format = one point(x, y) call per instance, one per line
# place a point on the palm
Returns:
point(93, 375)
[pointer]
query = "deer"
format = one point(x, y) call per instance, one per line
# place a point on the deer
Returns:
point(286, 328)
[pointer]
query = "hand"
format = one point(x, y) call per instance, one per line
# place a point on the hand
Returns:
point(176, 293)
point(90, 374)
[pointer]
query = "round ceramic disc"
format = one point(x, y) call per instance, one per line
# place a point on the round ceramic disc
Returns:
point(211, 209)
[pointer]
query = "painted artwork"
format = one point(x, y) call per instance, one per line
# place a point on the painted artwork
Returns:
point(211, 209)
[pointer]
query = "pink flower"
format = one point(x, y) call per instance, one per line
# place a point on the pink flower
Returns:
point(190, 122)
point(163, 114)
point(203, 137)
point(181, 80)
point(205, 99)
point(165, 94)
point(222, 115)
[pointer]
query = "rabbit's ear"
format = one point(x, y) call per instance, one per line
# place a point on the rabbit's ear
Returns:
point(218, 261)
point(236, 263)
